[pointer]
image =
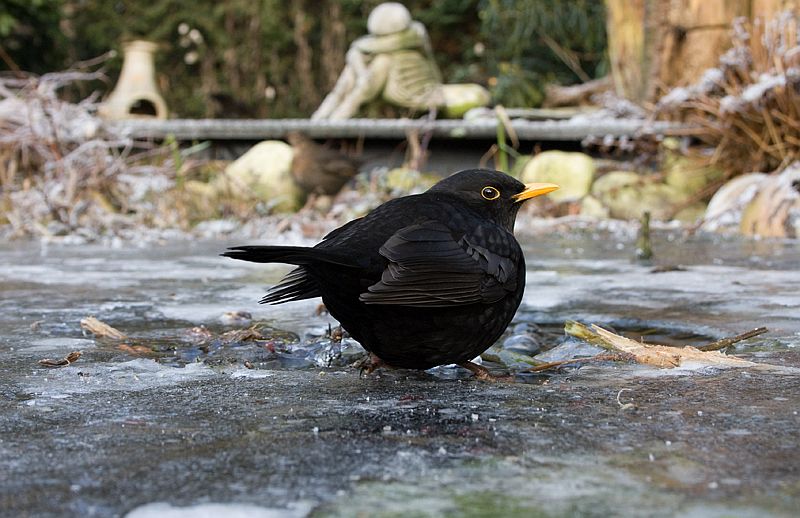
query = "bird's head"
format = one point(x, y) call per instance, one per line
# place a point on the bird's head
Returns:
point(493, 194)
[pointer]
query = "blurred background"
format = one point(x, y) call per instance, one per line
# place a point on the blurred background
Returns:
point(657, 106)
point(275, 58)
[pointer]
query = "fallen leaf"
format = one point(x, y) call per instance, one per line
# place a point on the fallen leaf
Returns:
point(241, 335)
point(63, 362)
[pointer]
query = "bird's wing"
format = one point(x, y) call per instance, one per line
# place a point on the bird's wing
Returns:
point(429, 266)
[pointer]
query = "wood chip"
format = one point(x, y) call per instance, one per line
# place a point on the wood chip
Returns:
point(101, 329)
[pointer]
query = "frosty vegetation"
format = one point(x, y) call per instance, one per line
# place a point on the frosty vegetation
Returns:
point(746, 107)
point(62, 170)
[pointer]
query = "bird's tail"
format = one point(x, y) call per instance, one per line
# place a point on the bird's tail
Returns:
point(298, 255)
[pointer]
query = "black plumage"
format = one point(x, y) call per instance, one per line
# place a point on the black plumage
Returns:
point(420, 281)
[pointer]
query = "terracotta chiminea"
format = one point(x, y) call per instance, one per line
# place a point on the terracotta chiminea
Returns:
point(136, 94)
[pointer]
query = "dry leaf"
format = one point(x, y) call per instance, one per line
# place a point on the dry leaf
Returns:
point(63, 362)
point(241, 335)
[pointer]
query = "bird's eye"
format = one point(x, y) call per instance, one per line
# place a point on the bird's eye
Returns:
point(490, 193)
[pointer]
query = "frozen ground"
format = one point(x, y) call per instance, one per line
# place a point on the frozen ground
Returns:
point(185, 429)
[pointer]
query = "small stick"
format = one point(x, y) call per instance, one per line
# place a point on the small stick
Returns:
point(582, 332)
point(727, 342)
point(614, 357)
point(644, 247)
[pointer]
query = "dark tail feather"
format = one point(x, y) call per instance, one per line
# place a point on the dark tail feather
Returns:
point(298, 285)
point(298, 255)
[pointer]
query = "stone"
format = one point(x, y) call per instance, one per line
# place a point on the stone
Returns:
point(510, 358)
point(573, 172)
point(724, 212)
point(688, 174)
point(690, 178)
point(388, 18)
point(394, 63)
point(628, 195)
point(591, 207)
point(775, 210)
point(519, 163)
point(264, 172)
point(460, 98)
point(691, 213)
point(402, 180)
point(612, 181)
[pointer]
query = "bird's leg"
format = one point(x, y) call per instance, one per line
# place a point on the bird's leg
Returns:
point(370, 365)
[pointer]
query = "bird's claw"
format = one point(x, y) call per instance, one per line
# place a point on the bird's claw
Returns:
point(483, 374)
point(370, 365)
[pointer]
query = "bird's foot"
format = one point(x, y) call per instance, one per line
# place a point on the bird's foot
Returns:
point(370, 365)
point(482, 373)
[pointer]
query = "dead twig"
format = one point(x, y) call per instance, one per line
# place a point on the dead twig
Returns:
point(665, 356)
point(242, 335)
point(624, 406)
point(605, 357)
point(63, 362)
point(727, 342)
point(101, 329)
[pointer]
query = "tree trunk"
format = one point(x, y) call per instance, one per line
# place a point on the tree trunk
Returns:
point(656, 45)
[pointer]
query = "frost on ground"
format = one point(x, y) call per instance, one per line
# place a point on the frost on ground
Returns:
point(65, 171)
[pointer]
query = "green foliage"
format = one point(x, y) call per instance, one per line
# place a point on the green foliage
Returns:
point(30, 35)
point(530, 43)
point(278, 58)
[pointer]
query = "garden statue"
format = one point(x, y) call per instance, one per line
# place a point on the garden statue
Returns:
point(395, 61)
point(136, 94)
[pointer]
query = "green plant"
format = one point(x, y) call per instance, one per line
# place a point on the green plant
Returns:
point(530, 43)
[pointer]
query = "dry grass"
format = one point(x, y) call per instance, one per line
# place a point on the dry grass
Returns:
point(747, 109)
point(61, 169)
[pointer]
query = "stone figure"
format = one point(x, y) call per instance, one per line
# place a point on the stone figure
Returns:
point(395, 61)
point(136, 94)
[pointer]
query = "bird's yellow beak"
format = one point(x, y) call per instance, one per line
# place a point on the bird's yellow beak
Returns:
point(533, 190)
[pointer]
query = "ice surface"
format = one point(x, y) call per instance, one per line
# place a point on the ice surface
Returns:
point(217, 510)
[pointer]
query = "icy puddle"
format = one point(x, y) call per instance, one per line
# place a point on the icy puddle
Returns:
point(186, 415)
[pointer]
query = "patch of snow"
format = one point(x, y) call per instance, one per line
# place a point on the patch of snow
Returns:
point(766, 82)
point(730, 104)
point(675, 96)
point(214, 510)
point(251, 373)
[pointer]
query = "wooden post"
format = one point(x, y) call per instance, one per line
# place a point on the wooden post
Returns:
point(769, 8)
point(655, 45)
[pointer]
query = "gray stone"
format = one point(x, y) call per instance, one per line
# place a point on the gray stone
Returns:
point(573, 172)
point(724, 211)
point(264, 172)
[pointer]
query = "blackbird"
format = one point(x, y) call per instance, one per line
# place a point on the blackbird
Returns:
point(423, 280)
point(318, 169)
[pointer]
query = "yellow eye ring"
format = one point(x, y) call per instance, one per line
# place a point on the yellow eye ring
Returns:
point(490, 193)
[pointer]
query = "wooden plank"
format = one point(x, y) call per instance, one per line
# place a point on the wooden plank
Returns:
point(261, 129)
